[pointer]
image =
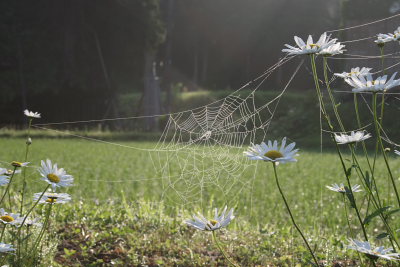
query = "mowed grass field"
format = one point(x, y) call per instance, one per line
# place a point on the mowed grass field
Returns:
point(125, 212)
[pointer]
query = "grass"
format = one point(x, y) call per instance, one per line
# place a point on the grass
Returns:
point(126, 212)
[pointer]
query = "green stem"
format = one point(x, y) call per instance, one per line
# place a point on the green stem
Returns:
point(8, 186)
point(24, 171)
point(2, 232)
point(45, 224)
point(291, 215)
point(328, 87)
point(222, 250)
point(378, 136)
point(26, 217)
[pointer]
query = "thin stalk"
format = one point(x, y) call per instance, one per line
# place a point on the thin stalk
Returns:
point(328, 87)
point(222, 250)
point(8, 186)
point(42, 231)
point(26, 217)
point(291, 215)
point(378, 136)
point(359, 126)
point(24, 171)
point(2, 232)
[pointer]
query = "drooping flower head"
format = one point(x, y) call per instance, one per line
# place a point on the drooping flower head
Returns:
point(331, 50)
point(368, 84)
point(18, 164)
point(4, 178)
point(4, 248)
point(55, 176)
point(10, 218)
point(354, 72)
point(272, 152)
point(342, 189)
point(309, 47)
point(373, 253)
point(383, 38)
point(52, 198)
point(219, 221)
point(354, 137)
point(31, 114)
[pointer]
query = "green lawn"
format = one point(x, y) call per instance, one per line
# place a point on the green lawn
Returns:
point(128, 207)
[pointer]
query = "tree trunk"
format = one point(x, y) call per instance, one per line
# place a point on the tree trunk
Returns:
point(151, 98)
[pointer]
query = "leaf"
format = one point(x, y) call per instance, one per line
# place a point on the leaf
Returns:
point(381, 236)
point(392, 212)
point(348, 172)
point(350, 197)
point(374, 214)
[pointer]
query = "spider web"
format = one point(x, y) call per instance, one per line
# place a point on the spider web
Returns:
point(199, 153)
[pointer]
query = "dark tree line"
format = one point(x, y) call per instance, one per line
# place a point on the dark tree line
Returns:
point(73, 59)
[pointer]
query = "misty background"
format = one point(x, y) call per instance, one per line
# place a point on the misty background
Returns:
point(96, 59)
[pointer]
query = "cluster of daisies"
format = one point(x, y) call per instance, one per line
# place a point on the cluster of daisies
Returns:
point(361, 80)
point(50, 173)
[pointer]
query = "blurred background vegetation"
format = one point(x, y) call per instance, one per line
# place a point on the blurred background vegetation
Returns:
point(85, 59)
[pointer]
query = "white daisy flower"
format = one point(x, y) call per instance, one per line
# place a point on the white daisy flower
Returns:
point(342, 189)
point(271, 152)
point(383, 39)
point(368, 84)
point(10, 218)
point(19, 164)
point(55, 176)
point(31, 114)
point(354, 137)
point(373, 253)
point(397, 152)
point(310, 47)
point(354, 72)
point(332, 50)
point(32, 222)
point(6, 248)
point(201, 223)
point(52, 198)
point(4, 178)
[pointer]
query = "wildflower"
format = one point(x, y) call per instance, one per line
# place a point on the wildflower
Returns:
point(332, 50)
point(32, 222)
point(368, 84)
point(52, 198)
point(397, 152)
point(272, 153)
point(55, 176)
point(10, 218)
point(384, 38)
point(354, 72)
point(373, 253)
point(201, 223)
point(31, 114)
point(342, 189)
point(6, 248)
point(18, 164)
point(4, 178)
point(354, 137)
point(310, 47)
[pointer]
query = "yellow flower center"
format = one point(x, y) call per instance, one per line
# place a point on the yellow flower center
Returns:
point(314, 45)
point(53, 178)
point(273, 154)
point(16, 164)
point(7, 218)
point(51, 200)
point(213, 222)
